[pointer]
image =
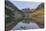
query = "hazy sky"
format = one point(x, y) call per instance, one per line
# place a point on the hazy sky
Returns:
point(25, 4)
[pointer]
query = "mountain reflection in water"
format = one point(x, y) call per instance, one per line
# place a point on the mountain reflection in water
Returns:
point(21, 26)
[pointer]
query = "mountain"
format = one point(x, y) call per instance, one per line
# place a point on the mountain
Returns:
point(12, 15)
point(38, 14)
point(26, 10)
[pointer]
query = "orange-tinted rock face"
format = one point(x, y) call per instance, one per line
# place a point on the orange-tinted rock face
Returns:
point(38, 16)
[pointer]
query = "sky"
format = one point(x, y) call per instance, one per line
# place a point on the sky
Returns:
point(25, 4)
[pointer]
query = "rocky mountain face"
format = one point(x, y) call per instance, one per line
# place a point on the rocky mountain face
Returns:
point(12, 10)
point(12, 15)
point(27, 12)
point(38, 15)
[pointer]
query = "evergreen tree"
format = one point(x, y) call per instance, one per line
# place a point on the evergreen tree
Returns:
point(41, 5)
point(8, 15)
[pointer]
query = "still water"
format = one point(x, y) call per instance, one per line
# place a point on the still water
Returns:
point(24, 26)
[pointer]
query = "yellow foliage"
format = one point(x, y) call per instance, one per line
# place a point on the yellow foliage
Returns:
point(38, 16)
